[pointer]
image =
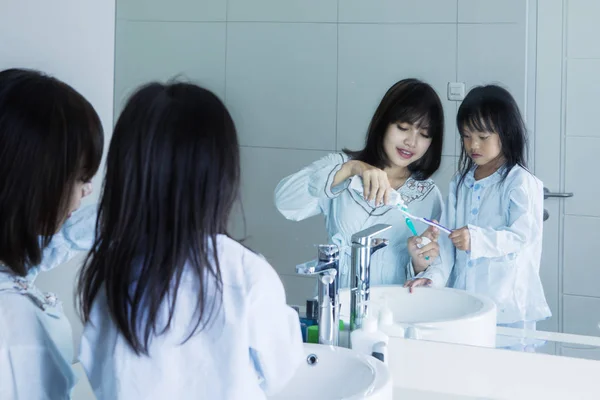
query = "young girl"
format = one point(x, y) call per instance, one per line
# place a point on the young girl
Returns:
point(496, 204)
point(403, 149)
point(173, 307)
point(51, 143)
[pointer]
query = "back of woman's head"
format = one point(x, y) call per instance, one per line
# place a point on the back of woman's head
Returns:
point(492, 109)
point(407, 101)
point(50, 138)
point(172, 177)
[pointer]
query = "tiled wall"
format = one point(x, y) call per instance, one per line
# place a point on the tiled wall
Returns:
point(303, 77)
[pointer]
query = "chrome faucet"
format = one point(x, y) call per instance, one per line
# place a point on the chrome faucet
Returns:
point(327, 268)
point(363, 246)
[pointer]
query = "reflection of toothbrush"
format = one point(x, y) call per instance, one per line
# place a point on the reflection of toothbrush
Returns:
point(424, 240)
point(425, 221)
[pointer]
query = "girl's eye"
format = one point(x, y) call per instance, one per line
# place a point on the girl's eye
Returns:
point(426, 136)
point(401, 128)
point(483, 137)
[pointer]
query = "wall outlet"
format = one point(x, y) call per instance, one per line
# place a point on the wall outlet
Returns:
point(456, 91)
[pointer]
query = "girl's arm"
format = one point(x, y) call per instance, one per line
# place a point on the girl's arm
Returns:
point(299, 196)
point(525, 219)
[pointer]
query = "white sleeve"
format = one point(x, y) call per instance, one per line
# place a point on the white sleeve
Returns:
point(276, 345)
point(525, 219)
point(34, 373)
point(77, 234)
point(300, 195)
point(439, 271)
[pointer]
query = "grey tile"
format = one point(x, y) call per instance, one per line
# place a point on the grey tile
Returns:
point(282, 11)
point(148, 51)
point(284, 243)
point(374, 57)
point(281, 84)
point(172, 10)
point(392, 11)
point(491, 11)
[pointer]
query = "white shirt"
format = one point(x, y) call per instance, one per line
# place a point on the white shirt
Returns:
point(251, 348)
point(36, 345)
point(308, 192)
point(505, 220)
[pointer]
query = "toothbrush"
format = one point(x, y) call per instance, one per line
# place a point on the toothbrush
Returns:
point(425, 221)
point(411, 226)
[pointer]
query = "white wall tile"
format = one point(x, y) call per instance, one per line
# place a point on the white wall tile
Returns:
point(298, 288)
point(493, 54)
point(444, 174)
point(153, 51)
point(491, 11)
point(282, 11)
point(281, 84)
point(409, 11)
point(374, 57)
point(284, 243)
point(581, 315)
point(172, 10)
point(579, 178)
point(583, 29)
point(583, 94)
point(549, 266)
point(581, 271)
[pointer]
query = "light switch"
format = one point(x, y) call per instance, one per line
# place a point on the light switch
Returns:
point(456, 91)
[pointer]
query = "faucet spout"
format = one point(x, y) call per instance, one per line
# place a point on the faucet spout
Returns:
point(326, 268)
point(364, 244)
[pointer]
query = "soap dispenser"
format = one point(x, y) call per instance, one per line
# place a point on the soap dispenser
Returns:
point(368, 340)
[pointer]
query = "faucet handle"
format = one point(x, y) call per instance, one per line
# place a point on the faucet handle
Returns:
point(364, 237)
point(328, 252)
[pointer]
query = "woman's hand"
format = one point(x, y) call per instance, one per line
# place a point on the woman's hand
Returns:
point(376, 184)
point(424, 249)
point(461, 238)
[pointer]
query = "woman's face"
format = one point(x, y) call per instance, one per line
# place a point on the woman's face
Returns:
point(406, 143)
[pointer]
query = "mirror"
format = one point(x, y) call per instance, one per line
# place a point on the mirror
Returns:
point(303, 79)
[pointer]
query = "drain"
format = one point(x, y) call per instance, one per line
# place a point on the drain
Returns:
point(312, 359)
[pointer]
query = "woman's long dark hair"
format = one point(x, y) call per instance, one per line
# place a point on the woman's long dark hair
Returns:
point(172, 177)
point(492, 109)
point(50, 139)
point(410, 101)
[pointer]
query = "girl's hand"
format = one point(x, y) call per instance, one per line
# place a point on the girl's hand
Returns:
point(461, 238)
point(376, 185)
point(417, 282)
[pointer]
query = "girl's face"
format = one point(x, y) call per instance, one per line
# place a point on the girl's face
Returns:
point(482, 147)
point(405, 143)
point(81, 189)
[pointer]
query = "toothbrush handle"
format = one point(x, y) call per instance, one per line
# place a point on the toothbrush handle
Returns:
point(431, 223)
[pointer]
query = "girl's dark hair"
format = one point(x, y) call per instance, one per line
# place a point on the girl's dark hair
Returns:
point(409, 101)
point(172, 178)
point(493, 109)
point(50, 138)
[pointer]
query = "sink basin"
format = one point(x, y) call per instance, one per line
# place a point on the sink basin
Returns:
point(338, 373)
point(437, 314)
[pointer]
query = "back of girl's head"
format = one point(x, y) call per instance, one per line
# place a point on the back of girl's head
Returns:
point(492, 109)
point(50, 138)
point(408, 101)
point(172, 177)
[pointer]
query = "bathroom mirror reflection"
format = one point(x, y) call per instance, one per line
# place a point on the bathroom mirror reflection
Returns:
point(303, 80)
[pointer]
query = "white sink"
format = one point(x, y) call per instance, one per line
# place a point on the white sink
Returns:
point(338, 373)
point(445, 315)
